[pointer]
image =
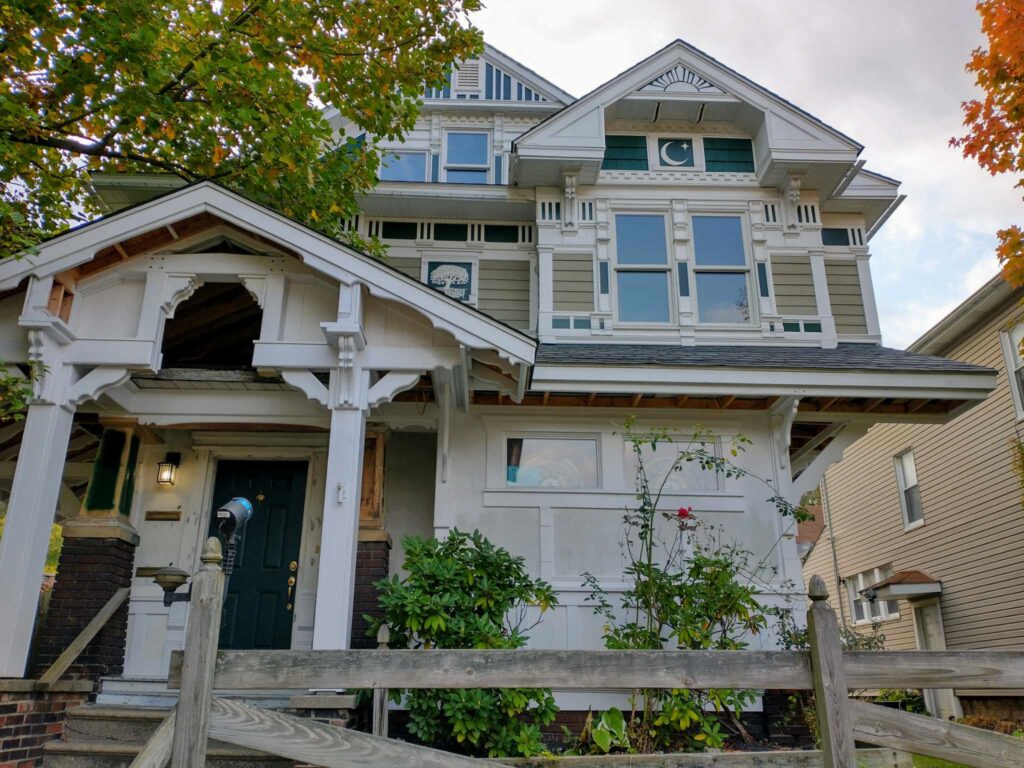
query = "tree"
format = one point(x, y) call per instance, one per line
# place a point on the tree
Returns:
point(232, 91)
point(995, 124)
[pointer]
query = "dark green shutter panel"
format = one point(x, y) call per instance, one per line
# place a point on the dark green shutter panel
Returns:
point(625, 153)
point(834, 236)
point(731, 155)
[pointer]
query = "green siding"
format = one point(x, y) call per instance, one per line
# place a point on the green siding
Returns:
point(573, 289)
point(845, 294)
point(625, 153)
point(504, 291)
point(733, 155)
point(794, 285)
point(410, 266)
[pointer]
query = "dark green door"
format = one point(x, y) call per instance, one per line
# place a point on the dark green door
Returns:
point(258, 609)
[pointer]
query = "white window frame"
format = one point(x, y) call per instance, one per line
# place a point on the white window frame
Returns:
point(1009, 340)
point(901, 484)
point(487, 167)
point(385, 152)
point(753, 294)
point(668, 269)
point(863, 580)
point(593, 437)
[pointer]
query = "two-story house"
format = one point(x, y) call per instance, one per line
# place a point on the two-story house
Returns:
point(680, 243)
point(923, 528)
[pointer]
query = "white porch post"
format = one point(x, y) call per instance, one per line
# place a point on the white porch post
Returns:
point(26, 537)
point(332, 625)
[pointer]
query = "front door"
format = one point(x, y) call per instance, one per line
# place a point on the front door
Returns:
point(941, 702)
point(261, 592)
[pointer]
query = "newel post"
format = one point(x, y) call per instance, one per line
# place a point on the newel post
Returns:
point(835, 727)
point(201, 639)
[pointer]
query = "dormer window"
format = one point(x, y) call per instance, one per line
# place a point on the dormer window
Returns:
point(642, 268)
point(721, 270)
point(466, 159)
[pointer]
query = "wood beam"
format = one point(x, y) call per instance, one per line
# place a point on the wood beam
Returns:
point(872, 404)
point(636, 399)
point(728, 401)
point(682, 400)
point(829, 403)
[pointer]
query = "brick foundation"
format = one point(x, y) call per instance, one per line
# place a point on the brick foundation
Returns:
point(1008, 708)
point(29, 719)
point(90, 571)
point(371, 566)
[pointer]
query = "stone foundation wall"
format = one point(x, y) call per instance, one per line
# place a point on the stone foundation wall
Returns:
point(1009, 708)
point(29, 719)
point(91, 570)
point(371, 566)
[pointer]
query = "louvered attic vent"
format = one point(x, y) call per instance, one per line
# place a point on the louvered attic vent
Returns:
point(468, 77)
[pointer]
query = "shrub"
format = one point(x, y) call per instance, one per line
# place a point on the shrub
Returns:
point(464, 592)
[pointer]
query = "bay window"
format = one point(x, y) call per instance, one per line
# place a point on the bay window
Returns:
point(467, 157)
point(642, 268)
point(721, 270)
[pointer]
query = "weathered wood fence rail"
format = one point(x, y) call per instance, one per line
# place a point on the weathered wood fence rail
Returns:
point(826, 670)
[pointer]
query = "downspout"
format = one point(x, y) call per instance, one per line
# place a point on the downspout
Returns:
point(835, 557)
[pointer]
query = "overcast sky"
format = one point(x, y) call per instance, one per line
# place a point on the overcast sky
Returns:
point(888, 73)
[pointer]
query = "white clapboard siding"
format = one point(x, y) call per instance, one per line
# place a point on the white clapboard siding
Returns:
point(971, 496)
point(573, 289)
point(794, 285)
point(845, 295)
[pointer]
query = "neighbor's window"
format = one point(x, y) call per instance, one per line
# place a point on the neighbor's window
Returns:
point(403, 166)
point(720, 270)
point(551, 462)
point(1011, 341)
point(866, 611)
point(910, 495)
point(467, 157)
point(641, 268)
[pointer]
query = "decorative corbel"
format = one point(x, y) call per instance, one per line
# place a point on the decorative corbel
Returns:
point(352, 381)
point(178, 288)
point(569, 201)
point(391, 384)
point(256, 285)
point(95, 383)
point(308, 384)
point(791, 198)
point(783, 413)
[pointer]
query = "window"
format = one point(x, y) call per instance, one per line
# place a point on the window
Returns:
point(551, 462)
point(642, 268)
point(910, 495)
point(687, 477)
point(467, 158)
point(625, 153)
point(866, 611)
point(835, 236)
point(1011, 341)
point(403, 166)
point(732, 155)
point(721, 271)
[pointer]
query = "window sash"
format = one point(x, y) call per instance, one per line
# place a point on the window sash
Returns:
point(657, 237)
point(415, 160)
point(453, 170)
point(863, 610)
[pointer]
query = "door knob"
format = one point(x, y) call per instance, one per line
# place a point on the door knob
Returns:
point(291, 586)
point(293, 566)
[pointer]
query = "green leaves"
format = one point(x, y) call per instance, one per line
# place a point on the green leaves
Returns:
point(231, 91)
point(464, 592)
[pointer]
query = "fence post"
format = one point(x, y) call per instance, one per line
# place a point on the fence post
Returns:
point(835, 726)
point(201, 638)
point(380, 695)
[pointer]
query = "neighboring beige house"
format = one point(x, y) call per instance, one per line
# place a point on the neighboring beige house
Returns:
point(927, 519)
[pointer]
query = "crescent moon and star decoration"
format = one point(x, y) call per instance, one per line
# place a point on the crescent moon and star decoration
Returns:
point(675, 153)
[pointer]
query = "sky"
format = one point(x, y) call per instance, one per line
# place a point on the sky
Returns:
point(888, 73)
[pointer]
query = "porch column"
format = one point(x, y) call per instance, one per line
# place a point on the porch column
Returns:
point(339, 538)
point(26, 536)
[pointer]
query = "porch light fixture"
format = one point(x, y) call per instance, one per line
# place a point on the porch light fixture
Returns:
point(167, 470)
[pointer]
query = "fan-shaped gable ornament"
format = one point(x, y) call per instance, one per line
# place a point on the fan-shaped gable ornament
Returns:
point(679, 79)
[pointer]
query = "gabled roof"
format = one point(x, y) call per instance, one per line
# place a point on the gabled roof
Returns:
point(680, 63)
point(527, 76)
point(329, 257)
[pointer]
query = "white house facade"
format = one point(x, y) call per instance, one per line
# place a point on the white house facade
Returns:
point(679, 244)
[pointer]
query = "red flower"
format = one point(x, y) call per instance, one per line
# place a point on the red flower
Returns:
point(684, 512)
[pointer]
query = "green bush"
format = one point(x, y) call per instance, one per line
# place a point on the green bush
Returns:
point(464, 592)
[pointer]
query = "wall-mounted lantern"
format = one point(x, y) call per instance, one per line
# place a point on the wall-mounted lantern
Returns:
point(167, 470)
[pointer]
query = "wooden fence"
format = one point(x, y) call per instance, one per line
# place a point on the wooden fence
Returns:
point(826, 669)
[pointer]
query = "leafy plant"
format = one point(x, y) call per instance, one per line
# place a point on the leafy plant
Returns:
point(692, 590)
point(233, 91)
point(908, 701)
point(465, 592)
point(16, 391)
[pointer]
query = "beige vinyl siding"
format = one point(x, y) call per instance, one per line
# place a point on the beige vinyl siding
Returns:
point(408, 265)
point(573, 282)
point(794, 285)
point(845, 296)
point(504, 291)
point(972, 539)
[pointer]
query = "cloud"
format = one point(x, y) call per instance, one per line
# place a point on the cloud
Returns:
point(891, 75)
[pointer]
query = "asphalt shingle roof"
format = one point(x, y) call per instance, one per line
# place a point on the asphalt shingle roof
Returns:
point(859, 357)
